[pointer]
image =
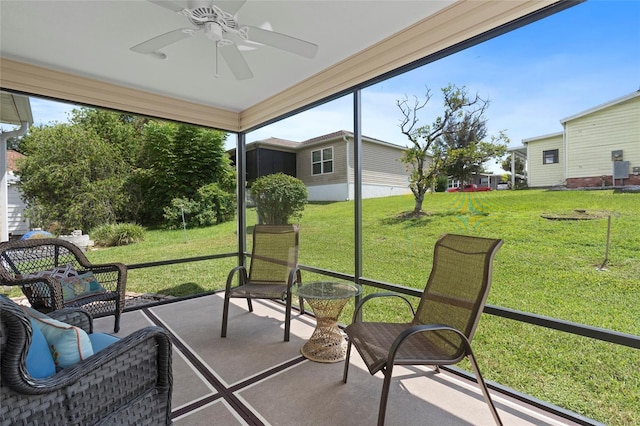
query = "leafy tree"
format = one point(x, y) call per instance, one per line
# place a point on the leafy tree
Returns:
point(125, 131)
point(72, 177)
point(429, 155)
point(176, 160)
point(465, 146)
point(519, 165)
point(278, 198)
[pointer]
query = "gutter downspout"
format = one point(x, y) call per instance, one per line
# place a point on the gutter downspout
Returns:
point(564, 153)
point(513, 170)
point(4, 192)
point(346, 141)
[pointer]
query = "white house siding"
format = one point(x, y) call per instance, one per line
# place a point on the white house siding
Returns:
point(592, 137)
point(333, 192)
point(17, 223)
point(377, 191)
point(540, 174)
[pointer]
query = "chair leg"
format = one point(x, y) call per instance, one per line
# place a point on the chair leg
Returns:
point(385, 396)
point(346, 362)
point(287, 318)
point(116, 325)
point(301, 302)
point(250, 304)
point(484, 389)
point(225, 315)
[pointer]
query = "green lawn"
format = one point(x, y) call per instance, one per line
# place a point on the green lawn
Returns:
point(546, 267)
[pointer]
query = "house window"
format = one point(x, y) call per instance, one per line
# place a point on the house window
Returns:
point(550, 157)
point(322, 161)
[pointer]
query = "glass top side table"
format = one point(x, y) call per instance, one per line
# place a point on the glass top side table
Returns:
point(327, 299)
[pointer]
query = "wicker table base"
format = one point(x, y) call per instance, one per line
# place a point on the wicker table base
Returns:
point(326, 344)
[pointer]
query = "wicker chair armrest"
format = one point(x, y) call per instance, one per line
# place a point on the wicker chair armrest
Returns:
point(140, 361)
point(242, 271)
point(120, 268)
point(74, 316)
point(428, 328)
point(55, 298)
point(356, 312)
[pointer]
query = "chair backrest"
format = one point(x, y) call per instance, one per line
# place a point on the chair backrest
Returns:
point(274, 253)
point(459, 282)
point(38, 254)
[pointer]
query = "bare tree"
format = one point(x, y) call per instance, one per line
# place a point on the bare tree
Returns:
point(423, 159)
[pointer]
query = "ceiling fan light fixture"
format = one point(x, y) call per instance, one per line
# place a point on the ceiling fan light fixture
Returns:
point(213, 31)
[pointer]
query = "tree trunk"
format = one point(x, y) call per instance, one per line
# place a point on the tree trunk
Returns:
point(418, 206)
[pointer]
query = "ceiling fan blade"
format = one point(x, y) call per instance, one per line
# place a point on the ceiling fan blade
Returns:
point(236, 62)
point(283, 42)
point(157, 43)
point(176, 7)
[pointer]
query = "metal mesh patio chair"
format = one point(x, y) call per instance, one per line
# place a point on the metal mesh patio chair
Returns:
point(272, 272)
point(443, 324)
point(127, 383)
point(30, 263)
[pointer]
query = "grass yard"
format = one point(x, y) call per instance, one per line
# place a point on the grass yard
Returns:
point(547, 267)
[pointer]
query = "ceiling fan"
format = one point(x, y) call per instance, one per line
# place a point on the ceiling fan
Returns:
point(223, 29)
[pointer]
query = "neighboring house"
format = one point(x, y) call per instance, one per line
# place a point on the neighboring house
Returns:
point(491, 180)
point(599, 147)
point(325, 165)
point(17, 224)
point(544, 166)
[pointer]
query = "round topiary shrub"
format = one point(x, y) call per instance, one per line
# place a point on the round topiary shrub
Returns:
point(279, 198)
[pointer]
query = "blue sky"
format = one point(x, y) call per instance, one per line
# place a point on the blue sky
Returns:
point(533, 77)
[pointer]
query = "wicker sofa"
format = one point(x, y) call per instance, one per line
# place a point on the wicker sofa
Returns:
point(22, 263)
point(127, 383)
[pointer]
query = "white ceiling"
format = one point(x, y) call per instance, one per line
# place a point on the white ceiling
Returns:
point(92, 39)
point(79, 51)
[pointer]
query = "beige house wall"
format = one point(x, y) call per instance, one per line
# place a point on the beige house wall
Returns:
point(381, 165)
point(544, 175)
point(339, 174)
point(382, 172)
point(591, 138)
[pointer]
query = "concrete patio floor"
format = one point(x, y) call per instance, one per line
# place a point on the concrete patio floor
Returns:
point(253, 377)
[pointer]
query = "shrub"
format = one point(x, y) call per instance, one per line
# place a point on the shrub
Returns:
point(278, 198)
point(212, 205)
point(222, 203)
point(119, 234)
point(442, 183)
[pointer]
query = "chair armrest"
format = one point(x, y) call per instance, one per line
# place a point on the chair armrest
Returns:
point(106, 268)
point(140, 361)
point(35, 295)
point(356, 312)
point(429, 328)
point(295, 276)
point(74, 316)
point(242, 271)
